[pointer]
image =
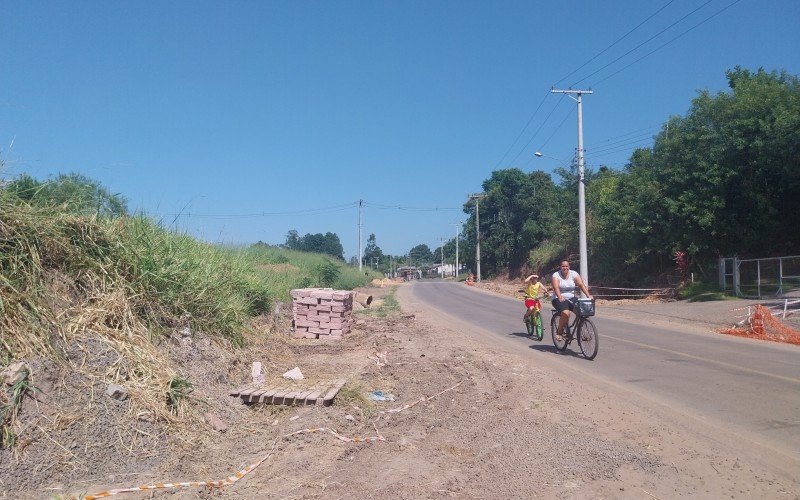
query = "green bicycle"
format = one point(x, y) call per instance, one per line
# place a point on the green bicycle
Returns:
point(533, 322)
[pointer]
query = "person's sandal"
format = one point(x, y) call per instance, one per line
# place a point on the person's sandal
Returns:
point(559, 337)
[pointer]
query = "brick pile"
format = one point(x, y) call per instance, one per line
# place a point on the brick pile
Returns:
point(321, 313)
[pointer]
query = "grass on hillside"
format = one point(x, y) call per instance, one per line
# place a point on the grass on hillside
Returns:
point(127, 281)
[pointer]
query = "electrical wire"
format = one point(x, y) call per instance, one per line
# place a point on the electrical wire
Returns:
point(409, 209)
point(523, 129)
point(621, 145)
point(538, 129)
point(527, 124)
point(620, 136)
point(615, 42)
point(304, 212)
point(641, 44)
point(670, 41)
point(541, 147)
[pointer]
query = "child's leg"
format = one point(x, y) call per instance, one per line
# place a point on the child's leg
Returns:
point(528, 312)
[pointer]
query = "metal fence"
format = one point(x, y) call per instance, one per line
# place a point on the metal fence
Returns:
point(760, 278)
point(605, 292)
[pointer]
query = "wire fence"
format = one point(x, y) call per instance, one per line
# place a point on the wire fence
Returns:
point(759, 278)
point(611, 293)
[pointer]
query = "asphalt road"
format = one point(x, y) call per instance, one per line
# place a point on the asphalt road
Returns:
point(750, 388)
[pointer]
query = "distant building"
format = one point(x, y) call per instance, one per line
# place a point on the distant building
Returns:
point(409, 273)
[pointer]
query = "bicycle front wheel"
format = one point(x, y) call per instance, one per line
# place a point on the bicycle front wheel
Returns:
point(553, 329)
point(587, 339)
point(538, 326)
point(529, 326)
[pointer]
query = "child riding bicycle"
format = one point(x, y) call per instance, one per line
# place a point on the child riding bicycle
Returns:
point(533, 306)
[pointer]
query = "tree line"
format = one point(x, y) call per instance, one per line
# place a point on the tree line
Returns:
point(722, 180)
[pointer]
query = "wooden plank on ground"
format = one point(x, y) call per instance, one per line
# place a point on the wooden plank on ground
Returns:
point(253, 397)
point(328, 399)
point(301, 399)
point(239, 390)
point(247, 392)
point(277, 399)
point(321, 393)
point(312, 398)
point(267, 396)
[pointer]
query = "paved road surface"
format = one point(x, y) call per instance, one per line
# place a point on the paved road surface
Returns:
point(749, 387)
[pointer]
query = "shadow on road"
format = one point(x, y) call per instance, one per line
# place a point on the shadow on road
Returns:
point(545, 345)
point(519, 334)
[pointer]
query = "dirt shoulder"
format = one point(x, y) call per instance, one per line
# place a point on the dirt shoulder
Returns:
point(467, 421)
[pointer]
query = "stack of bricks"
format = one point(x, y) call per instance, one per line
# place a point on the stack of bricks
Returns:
point(321, 313)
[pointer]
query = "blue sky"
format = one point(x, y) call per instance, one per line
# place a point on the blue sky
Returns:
point(238, 121)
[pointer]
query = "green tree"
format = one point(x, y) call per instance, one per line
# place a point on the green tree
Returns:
point(327, 243)
point(721, 180)
point(292, 240)
point(420, 255)
point(518, 213)
point(372, 252)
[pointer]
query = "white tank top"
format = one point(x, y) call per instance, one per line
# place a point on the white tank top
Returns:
point(566, 286)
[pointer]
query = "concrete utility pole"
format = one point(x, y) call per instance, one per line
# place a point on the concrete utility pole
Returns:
point(477, 198)
point(360, 250)
point(458, 235)
point(441, 247)
point(581, 183)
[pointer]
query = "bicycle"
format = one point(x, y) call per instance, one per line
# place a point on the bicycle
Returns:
point(534, 326)
point(580, 327)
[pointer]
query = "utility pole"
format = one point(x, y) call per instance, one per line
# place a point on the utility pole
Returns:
point(458, 235)
point(477, 198)
point(581, 182)
point(360, 250)
point(441, 247)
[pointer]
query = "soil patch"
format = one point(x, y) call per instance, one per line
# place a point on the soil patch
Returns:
point(466, 421)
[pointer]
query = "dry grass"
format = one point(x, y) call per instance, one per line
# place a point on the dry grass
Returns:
point(101, 295)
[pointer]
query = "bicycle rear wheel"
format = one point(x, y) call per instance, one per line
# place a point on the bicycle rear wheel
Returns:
point(587, 338)
point(553, 329)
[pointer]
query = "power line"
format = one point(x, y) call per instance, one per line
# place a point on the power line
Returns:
point(615, 153)
point(409, 209)
point(537, 130)
point(620, 136)
point(670, 41)
point(541, 147)
point(505, 155)
point(615, 42)
point(641, 44)
point(523, 129)
point(310, 211)
point(622, 145)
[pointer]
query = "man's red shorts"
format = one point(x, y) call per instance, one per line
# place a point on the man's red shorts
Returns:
point(533, 303)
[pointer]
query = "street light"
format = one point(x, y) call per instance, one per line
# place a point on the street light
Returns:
point(584, 265)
